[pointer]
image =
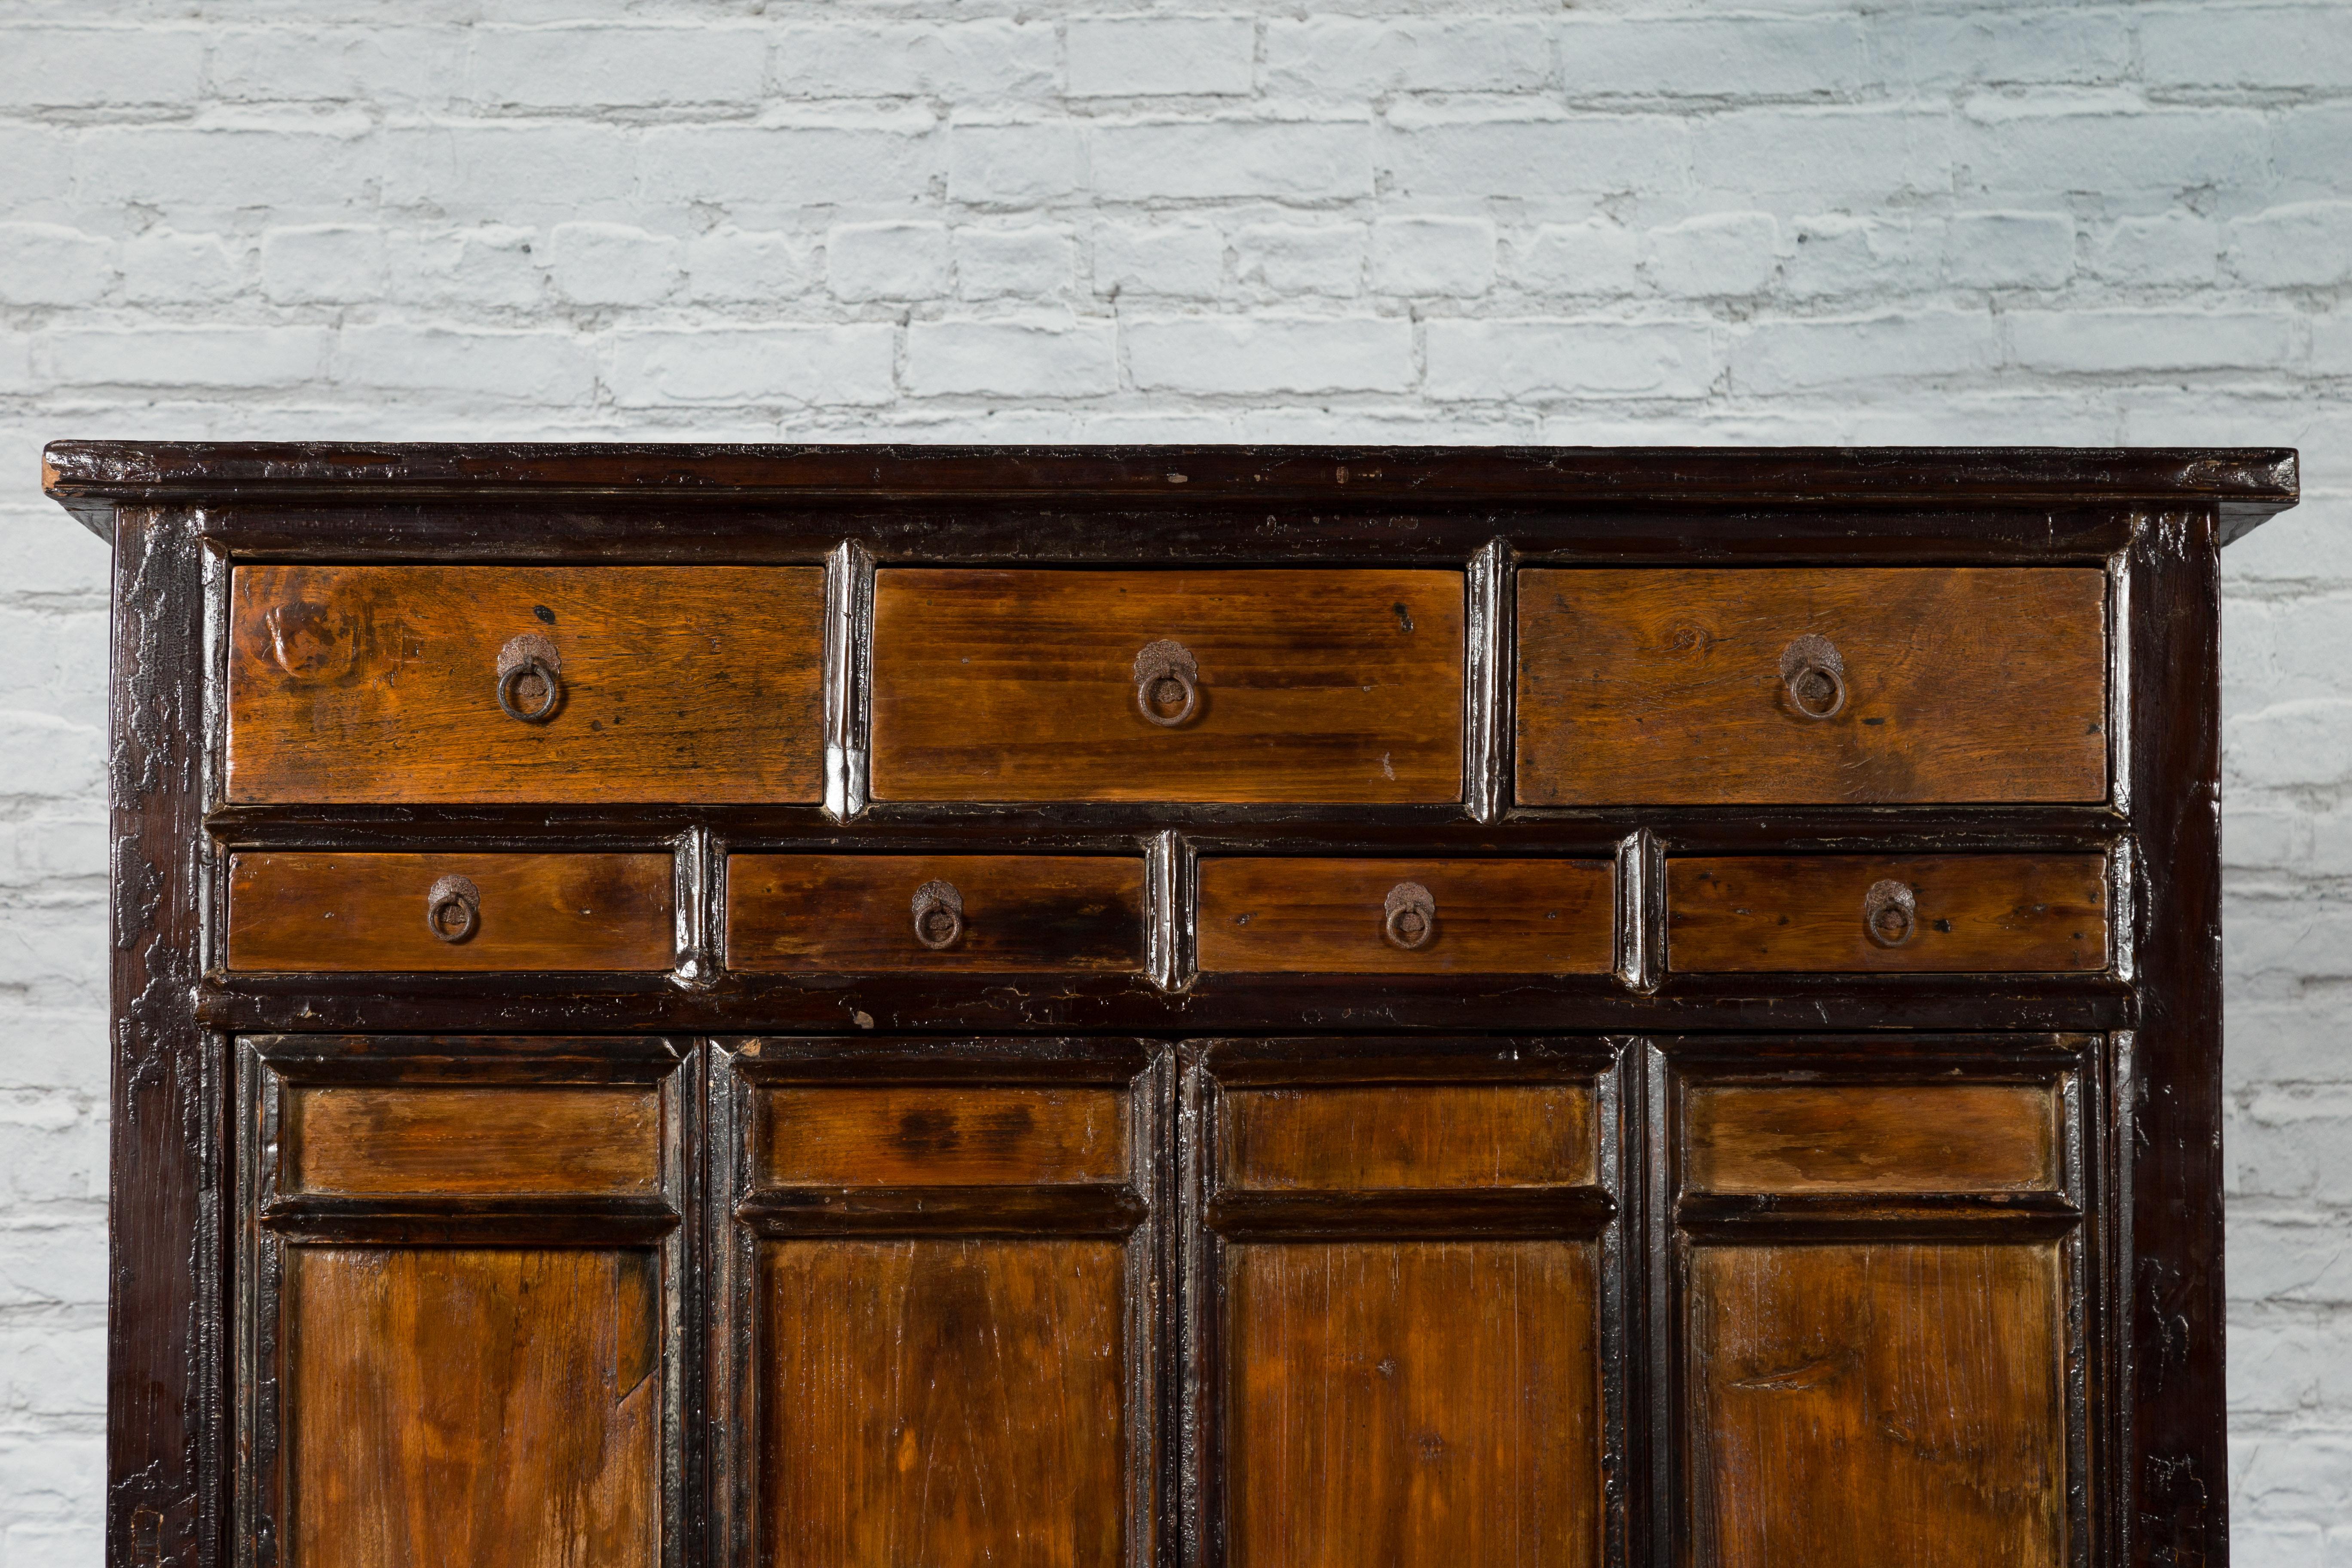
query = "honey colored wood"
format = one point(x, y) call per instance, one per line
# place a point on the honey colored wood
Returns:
point(1664, 687)
point(1413, 1403)
point(1346, 1137)
point(1315, 686)
point(472, 1405)
point(1494, 917)
point(380, 683)
point(1871, 1137)
point(855, 913)
point(925, 1136)
point(1855, 1406)
point(511, 1138)
point(1976, 913)
point(347, 912)
point(942, 1401)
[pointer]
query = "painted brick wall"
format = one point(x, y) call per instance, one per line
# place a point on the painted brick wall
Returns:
point(932, 220)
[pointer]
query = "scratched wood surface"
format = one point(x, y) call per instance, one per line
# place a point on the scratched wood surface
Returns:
point(1343, 1137)
point(1871, 1137)
point(924, 1135)
point(380, 683)
point(1331, 686)
point(472, 1406)
point(855, 913)
point(1664, 687)
point(513, 1138)
point(1315, 916)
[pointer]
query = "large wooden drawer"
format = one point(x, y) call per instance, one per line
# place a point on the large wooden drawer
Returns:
point(416, 684)
point(953, 913)
point(1671, 688)
point(1267, 686)
point(1407, 917)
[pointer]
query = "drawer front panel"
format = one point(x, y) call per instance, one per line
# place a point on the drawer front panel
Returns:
point(1338, 1138)
point(575, 1138)
point(1301, 916)
point(344, 913)
point(857, 913)
point(1307, 686)
point(1816, 685)
point(352, 684)
point(941, 1135)
point(1920, 914)
point(1871, 1137)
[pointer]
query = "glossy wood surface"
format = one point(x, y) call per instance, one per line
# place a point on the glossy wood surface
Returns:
point(472, 1406)
point(1314, 916)
point(1855, 1406)
point(1337, 685)
point(1871, 1137)
point(855, 913)
point(380, 683)
point(920, 1135)
point(1988, 914)
point(345, 913)
point(950, 1401)
point(511, 1137)
point(1346, 1137)
point(1665, 687)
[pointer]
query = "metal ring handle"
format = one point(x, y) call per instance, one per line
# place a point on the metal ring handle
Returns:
point(453, 895)
point(510, 689)
point(1409, 916)
point(1814, 675)
point(1166, 663)
point(938, 915)
point(1890, 913)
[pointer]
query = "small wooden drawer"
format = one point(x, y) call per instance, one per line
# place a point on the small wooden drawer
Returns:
point(1246, 686)
point(1871, 1137)
point(1919, 914)
point(1365, 1138)
point(1409, 916)
point(386, 1139)
point(343, 912)
point(1817, 685)
point(563, 684)
point(869, 913)
point(942, 1135)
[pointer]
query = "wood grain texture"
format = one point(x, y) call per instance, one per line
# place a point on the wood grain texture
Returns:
point(1976, 914)
point(1871, 1137)
point(1413, 1403)
point(304, 911)
point(472, 1406)
point(1315, 686)
point(1855, 1406)
point(952, 1401)
point(926, 1135)
point(508, 1139)
point(1664, 687)
point(855, 913)
point(379, 683)
point(1348, 1137)
point(1494, 917)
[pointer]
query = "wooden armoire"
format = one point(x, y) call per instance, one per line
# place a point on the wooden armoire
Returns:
point(899, 1007)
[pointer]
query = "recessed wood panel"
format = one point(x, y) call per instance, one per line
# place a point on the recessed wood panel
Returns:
point(1338, 686)
point(1350, 1137)
point(1508, 917)
point(336, 911)
point(507, 1139)
point(465, 1405)
point(1413, 1403)
point(855, 913)
point(1665, 687)
point(1854, 1407)
point(1973, 913)
point(1871, 1137)
point(923, 1135)
point(942, 1401)
point(381, 683)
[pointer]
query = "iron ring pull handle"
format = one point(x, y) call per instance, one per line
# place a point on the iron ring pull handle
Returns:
point(452, 909)
point(522, 658)
point(1159, 666)
point(1814, 675)
point(1409, 916)
point(938, 915)
point(1890, 913)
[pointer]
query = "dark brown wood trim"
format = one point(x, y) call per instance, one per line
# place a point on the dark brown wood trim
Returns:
point(1319, 1216)
point(1767, 1216)
point(473, 1221)
point(1090, 1209)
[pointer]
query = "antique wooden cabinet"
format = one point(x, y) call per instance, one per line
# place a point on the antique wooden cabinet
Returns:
point(884, 1008)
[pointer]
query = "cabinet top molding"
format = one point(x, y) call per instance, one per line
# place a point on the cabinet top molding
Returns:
point(2246, 485)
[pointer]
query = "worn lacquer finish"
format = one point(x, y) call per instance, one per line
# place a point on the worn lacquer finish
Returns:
point(1345, 1137)
point(919, 1135)
point(1871, 1137)
point(854, 913)
point(1303, 916)
point(369, 1138)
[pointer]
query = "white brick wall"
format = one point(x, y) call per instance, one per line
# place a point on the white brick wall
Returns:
point(1088, 220)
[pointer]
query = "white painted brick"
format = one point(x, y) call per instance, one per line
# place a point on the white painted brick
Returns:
point(47, 1260)
point(485, 171)
point(1453, 257)
point(56, 1479)
point(589, 68)
point(1037, 263)
point(1015, 162)
point(1876, 153)
point(50, 758)
point(845, 365)
point(2008, 250)
point(50, 264)
point(2235, 46)
point(1183, 259)
point(871, 157)
point(37, 164)
point(1138, 160)
point(166, 267)
point(2307, 243)
point(888, 260)
point(1056, 357)
point(1726, 57)
point(2148, 340)
point(1362, 57)
point(2002, 47)
point(1450, 153)
point(1802, 356)
point(485, 267)
point(2302, 741)
point(611, 263)
point(1481, 360)
point(1128, 57)
point(1268, 354)
point(160, 355)
point(2331, 344)
point(1302, 258)
point(995, 58)
point(2169, 248)
point(734, 264)
point(328, 262)
point(2111, 148)
point(1714, 254)
point(1833, 256)
point(56, 1048)
point(1593, 257)
point(53, 1368)
point(536, 366)
point(405, 66)
point(299, 163)
point(54, 68)
point(2308, 150)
